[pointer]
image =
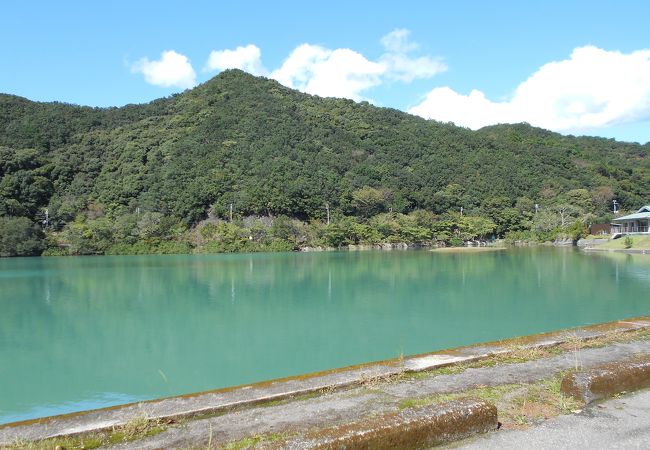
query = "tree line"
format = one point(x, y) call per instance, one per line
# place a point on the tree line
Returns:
point(165, 176)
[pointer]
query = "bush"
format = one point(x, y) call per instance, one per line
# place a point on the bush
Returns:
point(150, 247)
point(577, 230)
point(513, 237)
point(628, 242)
point(19, 236)
point(456, 242)
point(88, 237)
point(226, 237)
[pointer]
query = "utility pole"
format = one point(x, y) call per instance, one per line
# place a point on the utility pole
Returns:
point(231, 212)
point(327, 207)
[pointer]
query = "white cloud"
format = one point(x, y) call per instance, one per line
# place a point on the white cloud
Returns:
point(246, 58)
point(340, 72)
point(329, 73)
point(397, 41)
point(400, 65)
point(171, 70)
point(593, 88)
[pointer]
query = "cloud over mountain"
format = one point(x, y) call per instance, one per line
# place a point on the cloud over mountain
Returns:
point(339, 72)
point(248, 58)
point(592, 88)
point(171, 70)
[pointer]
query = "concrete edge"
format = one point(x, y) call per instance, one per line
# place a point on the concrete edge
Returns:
point(629, 251)
point(409, 429)
point(242, 397)
point(608, 380)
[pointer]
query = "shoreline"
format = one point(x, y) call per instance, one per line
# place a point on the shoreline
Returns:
point(386, 246)
point(467, 249)
point(629, 251)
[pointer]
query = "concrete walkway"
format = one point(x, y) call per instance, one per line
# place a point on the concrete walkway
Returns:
point(619, 423)
point(299, 416)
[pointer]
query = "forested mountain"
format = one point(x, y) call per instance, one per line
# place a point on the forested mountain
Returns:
point(153, 172)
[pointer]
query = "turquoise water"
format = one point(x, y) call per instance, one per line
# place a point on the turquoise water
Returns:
point(85, 332)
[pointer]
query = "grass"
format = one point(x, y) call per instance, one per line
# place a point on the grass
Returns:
point(252, 441)
point(513, 354)
point(574, 343)
point(597, 236)
point(491, 393)
point(518, 404)
point(638, 243)
point(137, 428)
point(522, 353)
point(371, 382)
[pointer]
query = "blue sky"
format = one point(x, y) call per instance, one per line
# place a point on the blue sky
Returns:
point(580, 67)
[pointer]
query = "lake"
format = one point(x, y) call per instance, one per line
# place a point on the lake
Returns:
point(85, 332)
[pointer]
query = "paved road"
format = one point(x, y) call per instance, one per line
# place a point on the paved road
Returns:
point(621, 423)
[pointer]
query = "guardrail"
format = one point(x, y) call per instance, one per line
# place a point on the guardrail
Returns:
point(630, 230)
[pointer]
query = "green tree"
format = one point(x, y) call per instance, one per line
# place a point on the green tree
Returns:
point(505, 217)
point(474, 227)
point(369, 201)
point(20, 237)
point(451, 198)
point(581, 199)
point(272, 151)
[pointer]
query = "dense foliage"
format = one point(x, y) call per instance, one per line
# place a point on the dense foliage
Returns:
point(167, 176)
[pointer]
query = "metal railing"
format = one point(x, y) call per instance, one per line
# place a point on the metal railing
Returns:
point(626, 229)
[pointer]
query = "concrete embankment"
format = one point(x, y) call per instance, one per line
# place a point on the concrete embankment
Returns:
point(608, 380)
point(411, 428)
point(520, 377)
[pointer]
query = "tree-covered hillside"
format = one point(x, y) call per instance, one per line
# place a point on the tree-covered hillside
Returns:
point(146, 175)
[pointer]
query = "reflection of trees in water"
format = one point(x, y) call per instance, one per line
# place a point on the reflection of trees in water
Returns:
point(86, 317)
point(630, 265)
point(184, 283)
point(380, 266)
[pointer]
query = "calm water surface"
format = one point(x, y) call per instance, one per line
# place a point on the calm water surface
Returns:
point(86, 332)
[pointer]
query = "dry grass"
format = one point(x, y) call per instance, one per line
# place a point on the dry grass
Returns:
point(254, 441)
point(519, 353)
point(518, 404)
point(137, 428)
